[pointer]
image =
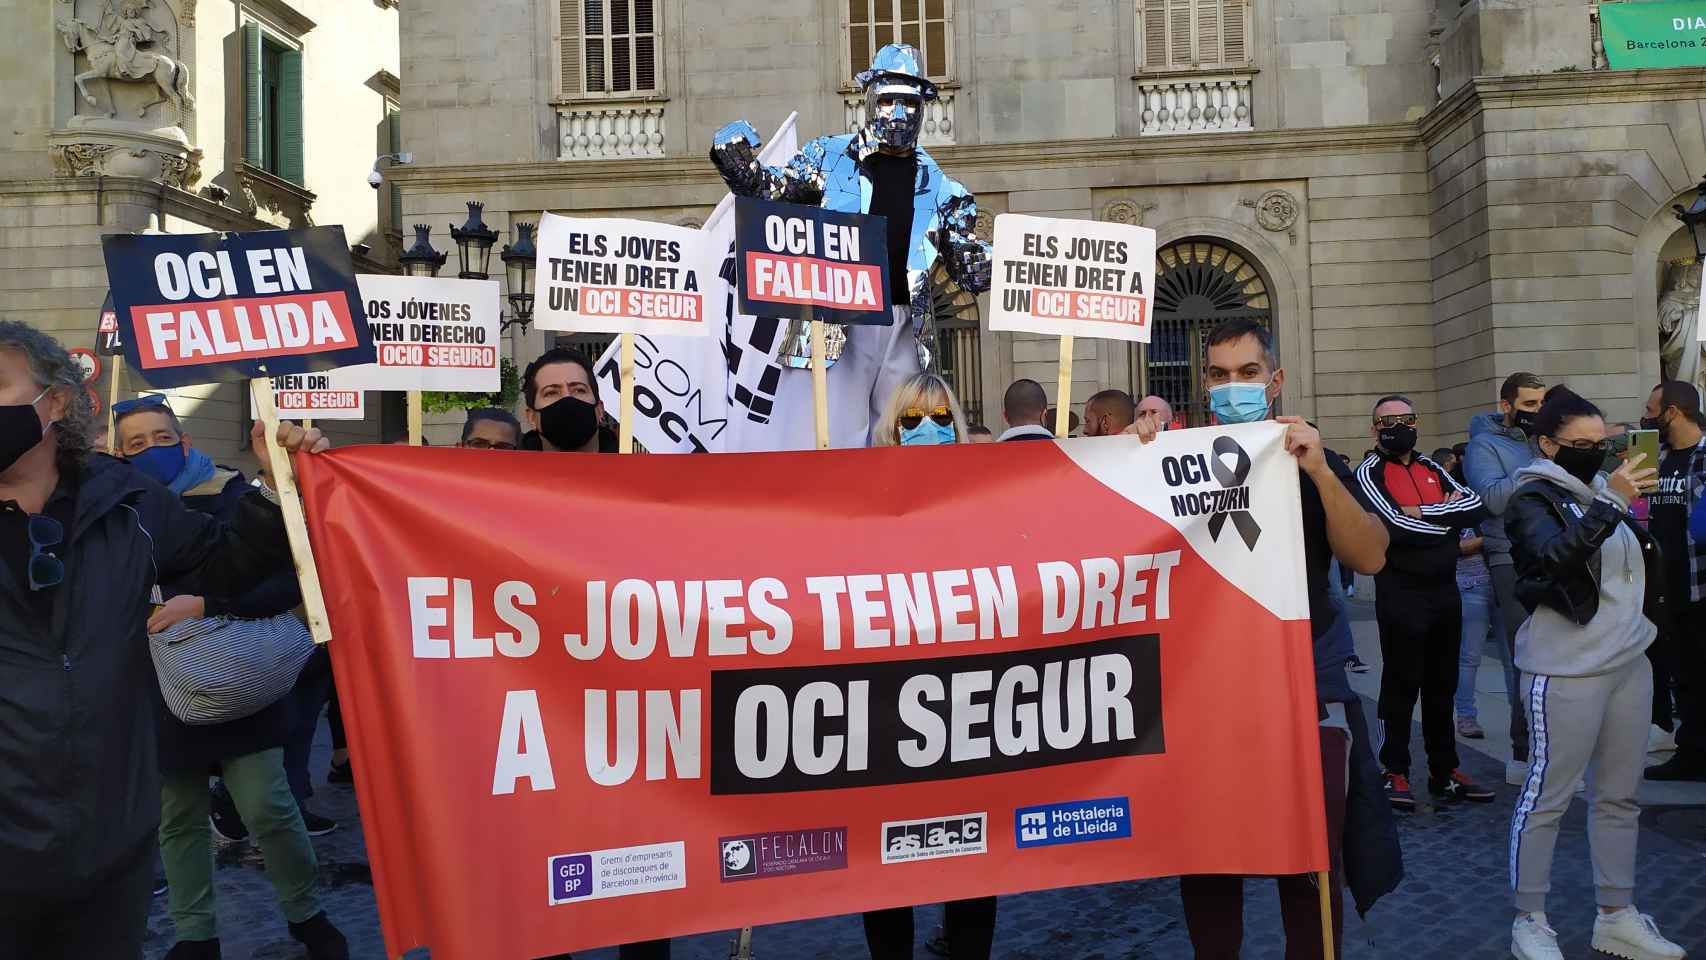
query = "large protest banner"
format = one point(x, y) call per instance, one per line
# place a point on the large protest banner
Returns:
point(582, 717)
point(208, 307)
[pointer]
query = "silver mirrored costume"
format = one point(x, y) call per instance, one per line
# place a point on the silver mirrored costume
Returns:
point(829, 172)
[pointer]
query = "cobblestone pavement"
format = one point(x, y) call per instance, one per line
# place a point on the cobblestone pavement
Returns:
point(1453, 904)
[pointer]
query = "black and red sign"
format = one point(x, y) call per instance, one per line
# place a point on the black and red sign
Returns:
point(207, 307)
point(108, 342)
point(810, 263)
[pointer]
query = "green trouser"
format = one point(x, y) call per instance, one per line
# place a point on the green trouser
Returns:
point(262, 794)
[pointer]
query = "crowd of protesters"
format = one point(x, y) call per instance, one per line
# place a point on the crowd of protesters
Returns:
point(1525, 536)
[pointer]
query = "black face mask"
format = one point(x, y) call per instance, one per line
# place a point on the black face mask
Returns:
point(1582, 464)
point(20, 431)
point(1524, 421)
point(1650, 423)
point(568, 423)
point(1398, 440)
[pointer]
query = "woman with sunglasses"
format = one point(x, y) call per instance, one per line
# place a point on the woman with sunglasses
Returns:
point(83, 539)
point(1590, 577)
point(923, 412)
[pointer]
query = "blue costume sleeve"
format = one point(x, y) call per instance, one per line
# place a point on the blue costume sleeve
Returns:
point(734, 152)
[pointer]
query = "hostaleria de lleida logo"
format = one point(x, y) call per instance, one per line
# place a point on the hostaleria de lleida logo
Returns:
point(1226, 468)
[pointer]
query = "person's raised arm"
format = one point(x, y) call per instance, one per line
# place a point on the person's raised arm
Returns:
point(1357, 537)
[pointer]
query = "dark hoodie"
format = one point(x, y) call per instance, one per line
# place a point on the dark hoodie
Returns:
point(79, 788)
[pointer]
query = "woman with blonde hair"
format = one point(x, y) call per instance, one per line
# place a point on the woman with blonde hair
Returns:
point(922, 411)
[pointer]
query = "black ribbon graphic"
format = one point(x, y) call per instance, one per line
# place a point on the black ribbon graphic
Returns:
point(1231, 479)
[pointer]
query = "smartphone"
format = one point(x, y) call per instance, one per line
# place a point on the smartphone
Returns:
point(1647, 442)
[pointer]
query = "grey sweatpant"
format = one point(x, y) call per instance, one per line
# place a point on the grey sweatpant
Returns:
point(1592, 724)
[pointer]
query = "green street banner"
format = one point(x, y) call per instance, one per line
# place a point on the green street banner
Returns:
point(1641, 35)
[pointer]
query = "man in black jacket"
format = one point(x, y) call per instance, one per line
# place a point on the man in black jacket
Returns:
point(247, 752)
point(1416, 602)
point(83, 540)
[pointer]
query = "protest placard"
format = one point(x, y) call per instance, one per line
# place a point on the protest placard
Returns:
point(619, 276)
point(1072, 278)
point(206, 307)
point(429, 333)
point(861, 708)
point(107, 337)
point(316, 396)
point(809, 263)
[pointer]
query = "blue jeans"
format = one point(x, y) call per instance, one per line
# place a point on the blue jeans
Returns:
point(1477, 620)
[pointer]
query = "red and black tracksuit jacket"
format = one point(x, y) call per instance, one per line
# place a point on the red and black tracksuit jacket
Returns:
point(1423, 551)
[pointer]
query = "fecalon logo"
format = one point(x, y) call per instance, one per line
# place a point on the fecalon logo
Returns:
point(1228, 466)
point(1076, 821)
point(958, 835)
point(783, 853)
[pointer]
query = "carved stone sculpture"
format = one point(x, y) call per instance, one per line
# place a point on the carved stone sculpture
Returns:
point(1128, 211)
point(1679, 306)
point(124, 46)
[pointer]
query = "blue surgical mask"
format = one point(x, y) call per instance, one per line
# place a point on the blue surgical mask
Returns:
point(1239, 402)
point(927, 433)
point(162, 464)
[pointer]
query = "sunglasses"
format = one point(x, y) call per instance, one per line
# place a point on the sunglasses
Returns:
point(152, 401)
point(1598, 446)
point(46, 570)
point(1396, 419)
point(914, 416)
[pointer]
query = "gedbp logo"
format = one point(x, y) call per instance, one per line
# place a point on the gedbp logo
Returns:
point(1076, 821)
point(1227, 497)
point(952, 836)
point(738, 861)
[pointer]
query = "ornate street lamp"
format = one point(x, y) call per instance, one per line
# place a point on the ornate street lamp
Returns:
point(518, 261)
point(474, 242)
point(1695, 219)
point(421, 260)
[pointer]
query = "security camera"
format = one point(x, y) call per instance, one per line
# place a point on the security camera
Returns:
point(374, 179)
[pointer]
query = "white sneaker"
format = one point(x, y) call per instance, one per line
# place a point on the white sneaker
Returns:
point(1532, 939)
point(1661, 744)
point(1632, 935)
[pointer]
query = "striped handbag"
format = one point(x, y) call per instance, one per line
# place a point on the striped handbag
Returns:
point(218, 669)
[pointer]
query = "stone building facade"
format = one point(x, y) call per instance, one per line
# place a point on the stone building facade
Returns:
point(1420, 196)
point(182, 116)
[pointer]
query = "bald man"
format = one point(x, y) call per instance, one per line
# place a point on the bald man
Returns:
point(1108, 413)
point(1159, 408)
point(1025, 407)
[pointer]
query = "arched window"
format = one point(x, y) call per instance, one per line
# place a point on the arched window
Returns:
point(1199, 283)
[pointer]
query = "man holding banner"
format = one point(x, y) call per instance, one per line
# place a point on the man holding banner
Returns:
point(878, 170)
point(83, 538)
point(1244, 379)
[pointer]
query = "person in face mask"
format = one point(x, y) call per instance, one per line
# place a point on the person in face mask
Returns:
point(83, 539)
point(1500, 444)
point(1673, 409)
point(564, 415)
point(1417, 603)
point(1243, 377)
point(252, 753)
point(922, 412)
point(563, 411)
point(1593, 579)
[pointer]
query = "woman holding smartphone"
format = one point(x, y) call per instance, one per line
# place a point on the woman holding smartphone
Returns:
point(1591, 577)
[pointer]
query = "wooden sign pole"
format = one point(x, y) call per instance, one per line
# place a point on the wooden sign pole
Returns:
point(820, 384)
point(625, 412)
point(414, 418)
point(1324, 880)
point(1063, 392)
point(112, 398)
point(307, 423)
point(295, 523)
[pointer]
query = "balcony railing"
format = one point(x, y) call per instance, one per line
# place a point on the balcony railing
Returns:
point(609, 132)
point(1195, 103)
point(938, 117)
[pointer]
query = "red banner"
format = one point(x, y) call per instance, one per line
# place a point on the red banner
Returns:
point(598, 699)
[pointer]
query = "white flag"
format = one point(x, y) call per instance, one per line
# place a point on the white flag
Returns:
point(694, 394)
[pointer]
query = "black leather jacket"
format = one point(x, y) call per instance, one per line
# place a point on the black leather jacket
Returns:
point(1555, 543)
